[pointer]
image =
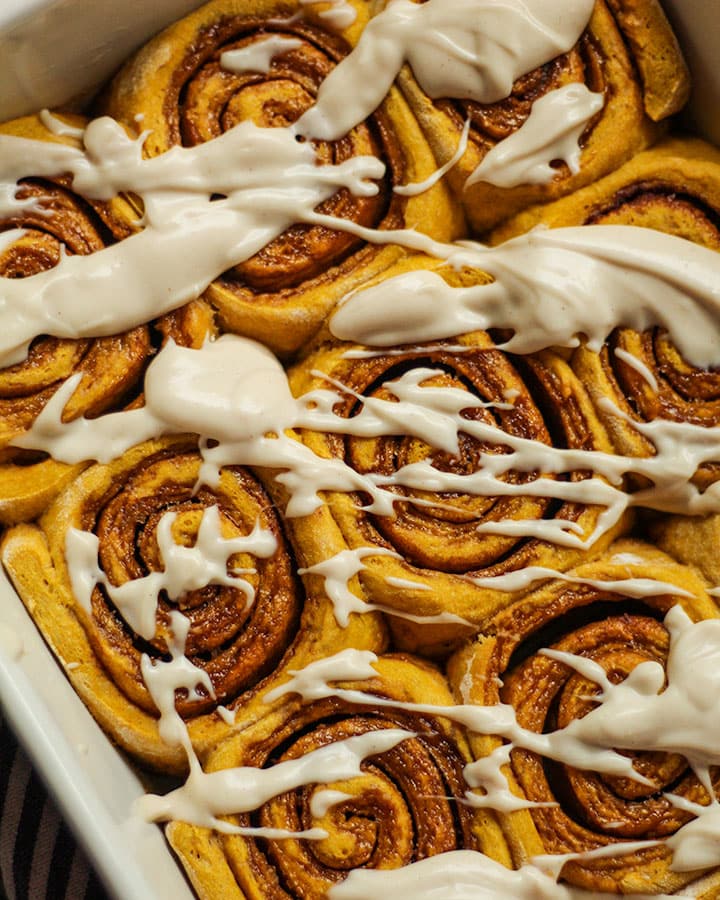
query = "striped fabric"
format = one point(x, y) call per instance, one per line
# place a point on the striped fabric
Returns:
point(39, 859)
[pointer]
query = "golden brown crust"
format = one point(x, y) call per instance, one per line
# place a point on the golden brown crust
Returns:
point(673, 187)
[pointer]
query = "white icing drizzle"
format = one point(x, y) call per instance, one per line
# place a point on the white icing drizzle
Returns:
point(473, 49)
point(185, 568)
point(639, 367)
point(696, 846)
point(207, 795)
point(311, 682)
point(227, 715)
point(163, 679)
point(406, 584)
point(412, 190)
point(636, 714)
point(461, 875)
point(259, 55)
point(269, 182)
point(322, 801)
point(551, 286)
point(220, 386)
point(458, 349)
point(551, 132)
point(58, 127)
point(337, 572)
point(486, 774)
point(339, 13)
point(523, 578)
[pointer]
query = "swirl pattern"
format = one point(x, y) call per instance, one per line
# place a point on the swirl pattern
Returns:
point(281, 295)
point(592, 810)
point(444, 538)
point(630, 58)
point(401, 809)
point(239, 645)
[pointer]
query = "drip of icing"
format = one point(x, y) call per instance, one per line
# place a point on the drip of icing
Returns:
point(695, 846)
point(412, 190)
point(473, 49)
point(162, 679)
point(639, 367)
point(459, 875)
point(164, 213)
point(337, 571)
point(458, 349)
point(207, 795)
point(185, 568)
point(339, 15)
point(227, 715)
point(58, 127)
point(551, 132)
point(523, 578)
point(425, 412)
point(550, 286)
point(486, 774)
point(407, 584)
point(259, 55)
point(268, 179)
point(236, 392)
point(322, 801)
point(636, 714)
point(312, 681)
point(243, 159)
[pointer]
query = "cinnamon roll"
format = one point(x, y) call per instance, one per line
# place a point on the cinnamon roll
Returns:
point(628, 54)
point(402, 808)
point(674, 188)
point(177, 89)
point(433, 552)
point(587, 810)
point(243, 638)
point(54, 220)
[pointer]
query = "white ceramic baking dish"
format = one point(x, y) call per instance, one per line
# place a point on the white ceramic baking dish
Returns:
point(52, 51)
